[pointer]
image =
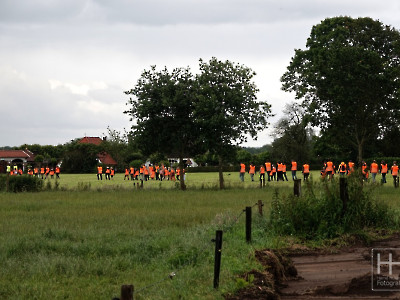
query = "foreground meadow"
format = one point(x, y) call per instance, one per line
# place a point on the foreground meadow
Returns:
point(89, 238)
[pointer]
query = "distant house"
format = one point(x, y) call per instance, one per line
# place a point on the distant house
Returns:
point(20, 158)
point(103, 158)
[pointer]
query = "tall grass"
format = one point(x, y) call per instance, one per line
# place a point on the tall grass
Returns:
point(320, 213)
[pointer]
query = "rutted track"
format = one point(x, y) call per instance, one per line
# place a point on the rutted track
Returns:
point(346, 275)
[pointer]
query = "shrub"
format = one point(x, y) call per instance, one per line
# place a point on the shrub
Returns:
point(20, 183)
point(319, 212)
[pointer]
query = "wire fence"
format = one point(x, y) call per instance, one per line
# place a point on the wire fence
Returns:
point(206, 248)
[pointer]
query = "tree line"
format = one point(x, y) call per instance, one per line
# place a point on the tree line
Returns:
point(346, 83)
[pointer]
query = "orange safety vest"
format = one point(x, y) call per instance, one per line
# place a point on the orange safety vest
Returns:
point(178, 172)
point(35, 170)
point(41, 170)
point(51, 172)
point(306, 168)
point(351, 167)
point(395, 170)
point(279, 167)
point(107, 171)
point(112, 172)
point(273, 170)
point(374, 168)
point(268, 166)
point(99, 170)
point(342, 168)
point(329, 166)
point(294, 166)
point(242, 168)
point(57, 170)
point(252, 169)
point(132, 170)
point(283, 168)
point(384, 168)
point(364, 169)
point(126, 172)
point(262, 170)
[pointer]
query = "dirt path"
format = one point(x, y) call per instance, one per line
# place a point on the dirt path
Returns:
point(346, 275)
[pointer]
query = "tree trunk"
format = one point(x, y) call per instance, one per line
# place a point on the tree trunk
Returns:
point(221, 175)
point(182, 176)
point(360, 152)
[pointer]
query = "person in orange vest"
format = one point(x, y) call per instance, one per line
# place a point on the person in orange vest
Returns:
point(36, 172)
point(136, 173)
point(42, 171)
point(47, 172)
point(112, 172)
point(58, 172)
point(383, 170)
point(294, 169)
point(20, 171)
point(126, 173)
point(374, 170)
point(395, 172)
point(342, 169)
point(132, 172)
point(108, 172)
point(284, 177)
point(51, 173)
point(306, 171)
point(157, 171)
point(262, 175)
point(151, 171)
point(268, 169)
point(364, 170)
point(178, 173)
point(272, 174)
point(99, 173)
point(242, 171)
point(172, 174)
point(146, 173)
point(330, 168)
point(351, 167)
point(252, 171)
point(279, 171)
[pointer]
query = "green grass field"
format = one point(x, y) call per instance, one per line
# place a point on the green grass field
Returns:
point(89, 238)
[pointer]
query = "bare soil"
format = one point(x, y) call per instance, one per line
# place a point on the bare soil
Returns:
point(308, 274)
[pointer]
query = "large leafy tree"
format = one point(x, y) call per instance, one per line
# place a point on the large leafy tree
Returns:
point(162, 112)
point(293, 135)
point(227, 109)
point(349, 78)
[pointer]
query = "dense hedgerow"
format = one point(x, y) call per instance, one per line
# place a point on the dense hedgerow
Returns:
point(319, 212)
point(20, 183)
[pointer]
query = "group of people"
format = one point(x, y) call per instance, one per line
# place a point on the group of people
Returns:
point(277, 172)
point(144, 173)
point(274, 172)
point(42, 172)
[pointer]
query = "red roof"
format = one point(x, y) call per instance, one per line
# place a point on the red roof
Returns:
point(91, 140)
point(104, 157)
point(17, 154)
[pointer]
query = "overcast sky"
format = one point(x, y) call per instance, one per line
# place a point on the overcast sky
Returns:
point(64, 64)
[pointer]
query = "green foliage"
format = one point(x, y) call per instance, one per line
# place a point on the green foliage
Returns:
point(80, 158)
point(22, 183)
point(349, 63)
point(319, 212)
point(136, 163)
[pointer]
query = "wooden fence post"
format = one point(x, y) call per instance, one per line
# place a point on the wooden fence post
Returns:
point(297, 187)
point(127, 292)
point(248, 224)
point(260, 205)
point(217, 260)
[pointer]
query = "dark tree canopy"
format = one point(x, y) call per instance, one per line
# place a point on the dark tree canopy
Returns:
point(162, 111)
point(227, 109)
point(348, 77)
